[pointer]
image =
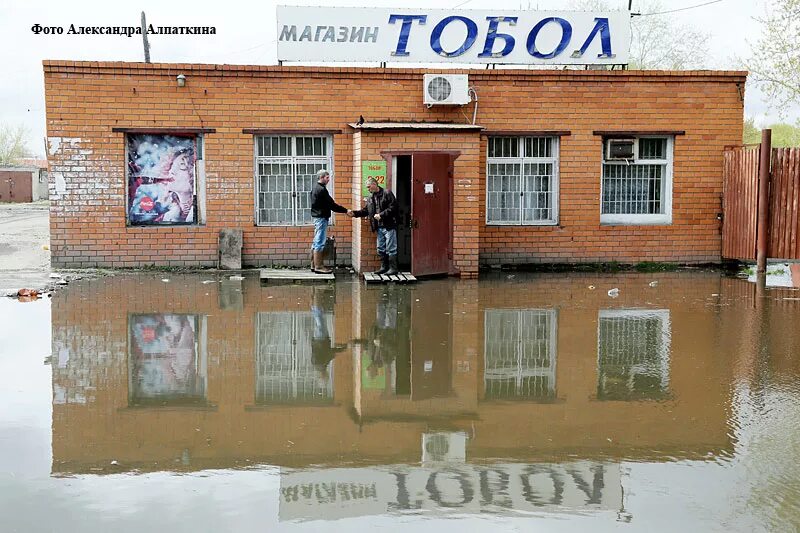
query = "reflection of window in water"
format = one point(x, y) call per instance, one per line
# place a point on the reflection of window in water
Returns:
point(285, 367)
point(520, 353)
point(167, 359)
point(633, 354)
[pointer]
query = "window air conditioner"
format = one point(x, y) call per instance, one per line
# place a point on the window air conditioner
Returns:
point(445, 89)
point(620, 149)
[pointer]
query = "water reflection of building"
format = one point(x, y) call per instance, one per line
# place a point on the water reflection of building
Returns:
point(633, 354)
point(520, 354)
point(463, 373)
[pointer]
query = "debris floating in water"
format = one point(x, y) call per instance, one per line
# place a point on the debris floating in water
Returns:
point(653, 283)
point(613, 292)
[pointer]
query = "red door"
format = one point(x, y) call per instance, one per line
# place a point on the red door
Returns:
point(430, 214)
point(16, 186)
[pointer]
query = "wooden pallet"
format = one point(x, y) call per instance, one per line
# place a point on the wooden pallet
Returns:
point(402, 277)
point(283, 275)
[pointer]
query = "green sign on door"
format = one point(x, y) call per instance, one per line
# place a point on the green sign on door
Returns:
point(372, 169)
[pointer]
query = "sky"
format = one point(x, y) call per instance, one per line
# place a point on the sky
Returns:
point(246, 34)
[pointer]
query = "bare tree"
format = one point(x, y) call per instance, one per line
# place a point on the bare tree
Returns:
point(775, 59)
point(13, 144)
point(658, 41)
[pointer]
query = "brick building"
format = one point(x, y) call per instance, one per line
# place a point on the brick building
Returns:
point(535, 179)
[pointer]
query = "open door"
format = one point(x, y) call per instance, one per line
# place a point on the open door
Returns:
point(430, 211)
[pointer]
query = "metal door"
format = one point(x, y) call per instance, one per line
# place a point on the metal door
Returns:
point(430, 214)
point(16, 186)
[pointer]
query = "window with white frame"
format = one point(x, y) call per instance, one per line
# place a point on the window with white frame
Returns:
point(286, 170)
point(522, 181)
point(638, 190)
point(633, 354)
point(520, 354)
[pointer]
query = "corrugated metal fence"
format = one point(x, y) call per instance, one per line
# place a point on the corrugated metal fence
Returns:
point(740, 204)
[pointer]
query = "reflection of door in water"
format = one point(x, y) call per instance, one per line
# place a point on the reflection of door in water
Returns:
point(430, 200)
point(431, 347)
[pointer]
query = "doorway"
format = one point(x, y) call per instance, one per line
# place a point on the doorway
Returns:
point(402, 182)
point(422, 183)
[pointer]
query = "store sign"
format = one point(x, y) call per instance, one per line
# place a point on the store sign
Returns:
point(452, 36)
point(329, 494)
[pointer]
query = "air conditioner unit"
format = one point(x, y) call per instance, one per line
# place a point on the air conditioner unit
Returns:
point(445, 89)
point(620, 149)
point(444, 447)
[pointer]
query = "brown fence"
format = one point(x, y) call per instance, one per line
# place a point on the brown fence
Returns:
point(740, 203)
point(784, 204)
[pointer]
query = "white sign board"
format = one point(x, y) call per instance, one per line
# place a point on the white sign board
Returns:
point(328, 494)
point(339, 34)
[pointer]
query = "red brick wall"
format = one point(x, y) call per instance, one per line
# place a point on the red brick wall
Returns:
point(86, 99)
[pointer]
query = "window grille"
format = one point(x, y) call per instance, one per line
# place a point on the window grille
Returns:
point(633, 354)
point(522, 180)
point(286, 171)
point(639, 190)
point(520, 354)
point(284, 369)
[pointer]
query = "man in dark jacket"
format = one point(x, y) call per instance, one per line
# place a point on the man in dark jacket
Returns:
point(321, 206)
point(381, 208)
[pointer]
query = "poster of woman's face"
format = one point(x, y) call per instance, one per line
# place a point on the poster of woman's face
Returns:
point(161, 179)
point(164, 360)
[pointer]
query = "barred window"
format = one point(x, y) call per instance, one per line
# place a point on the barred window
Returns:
point(286, 170)
point(639, 190)
point(520, 354)
point(522, 180)
point(285, 372)
point(633, 354)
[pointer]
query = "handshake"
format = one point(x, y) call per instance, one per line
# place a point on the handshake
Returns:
point(351, 214)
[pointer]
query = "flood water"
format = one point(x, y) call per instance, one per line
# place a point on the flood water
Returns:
point(519, 402)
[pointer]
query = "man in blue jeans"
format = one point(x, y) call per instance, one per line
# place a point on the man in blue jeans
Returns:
point(321, 206)
point(381, 208)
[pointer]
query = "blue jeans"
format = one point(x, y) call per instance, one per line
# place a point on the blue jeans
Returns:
point(320, 234)
point(387, 241)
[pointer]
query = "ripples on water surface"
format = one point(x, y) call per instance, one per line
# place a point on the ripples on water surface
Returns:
point(516, 403)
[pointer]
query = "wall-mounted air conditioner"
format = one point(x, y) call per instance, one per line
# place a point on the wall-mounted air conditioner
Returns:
point(620, 149)
point(445, 89)
point(444, 447)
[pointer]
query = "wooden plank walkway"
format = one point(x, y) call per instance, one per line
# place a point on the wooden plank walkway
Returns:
point(286, 274)
point(402, 277)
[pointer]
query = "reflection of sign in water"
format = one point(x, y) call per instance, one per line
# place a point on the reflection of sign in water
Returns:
point(503, 488)
point(166, 359)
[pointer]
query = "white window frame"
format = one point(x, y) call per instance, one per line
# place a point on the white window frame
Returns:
point(293, 160)
point(522, 160)
point(549, 372)
point(666, 335)
point(664, 218)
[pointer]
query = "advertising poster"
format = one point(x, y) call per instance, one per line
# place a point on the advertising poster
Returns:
point(372, 169)
point(161, 179)
point(165, 362)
